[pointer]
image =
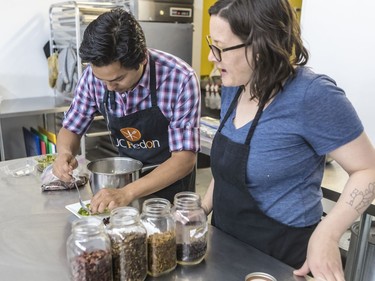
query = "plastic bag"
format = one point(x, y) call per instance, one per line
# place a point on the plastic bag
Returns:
point(19, 169)
point(51, 182)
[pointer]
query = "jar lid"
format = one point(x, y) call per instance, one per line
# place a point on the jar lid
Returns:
point(259, 276)
point(156, 207)
point(87, 225)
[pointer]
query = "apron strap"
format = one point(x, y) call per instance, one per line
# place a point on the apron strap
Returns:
point(153, 82)
point(254, 122)
point(108, 95)
point(231, 108)
point(111, 94)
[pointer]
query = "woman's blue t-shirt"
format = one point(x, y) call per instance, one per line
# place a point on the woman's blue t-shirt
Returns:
point(309, 118)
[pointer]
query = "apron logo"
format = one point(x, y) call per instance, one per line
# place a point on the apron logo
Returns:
point(131, 134)
point(133, 140)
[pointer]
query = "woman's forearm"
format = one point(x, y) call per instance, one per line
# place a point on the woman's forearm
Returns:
point(207, 202)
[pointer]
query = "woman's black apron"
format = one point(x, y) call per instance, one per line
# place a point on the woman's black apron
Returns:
point(143, 135)
point(236, 212)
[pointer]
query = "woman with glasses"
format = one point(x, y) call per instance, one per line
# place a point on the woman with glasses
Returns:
point(279, 120)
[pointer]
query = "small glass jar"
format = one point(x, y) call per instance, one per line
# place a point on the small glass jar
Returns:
point(161, 236)
point(89, 251)
point(129, 245)
point(191, 228)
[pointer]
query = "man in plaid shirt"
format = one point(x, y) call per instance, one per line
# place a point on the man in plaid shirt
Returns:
point(150, 101)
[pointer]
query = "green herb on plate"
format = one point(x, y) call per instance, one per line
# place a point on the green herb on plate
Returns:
point(83, 212)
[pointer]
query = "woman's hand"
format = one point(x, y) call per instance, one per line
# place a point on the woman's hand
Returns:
point(323, 258)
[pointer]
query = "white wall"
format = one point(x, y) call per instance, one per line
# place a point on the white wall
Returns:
point(340, 35)
point(24, 29)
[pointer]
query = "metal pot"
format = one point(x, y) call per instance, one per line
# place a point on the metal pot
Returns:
point(114, 172)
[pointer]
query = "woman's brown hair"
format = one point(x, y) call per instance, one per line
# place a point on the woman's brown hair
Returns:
point(272, 30)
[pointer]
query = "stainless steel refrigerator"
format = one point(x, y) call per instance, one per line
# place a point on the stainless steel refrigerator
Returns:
point(171, 37)
point(168, 25)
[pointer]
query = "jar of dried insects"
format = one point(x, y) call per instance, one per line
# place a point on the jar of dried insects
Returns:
point(129, 245)
point(89, 251)
point(161, 236)
point(191, 228)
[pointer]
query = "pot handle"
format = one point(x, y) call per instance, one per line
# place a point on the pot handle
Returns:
point(148, 168)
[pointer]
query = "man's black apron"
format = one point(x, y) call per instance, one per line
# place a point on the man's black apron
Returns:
point(143, 135)
point(236, 212)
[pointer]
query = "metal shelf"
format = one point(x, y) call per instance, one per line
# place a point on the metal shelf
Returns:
point(68, 21)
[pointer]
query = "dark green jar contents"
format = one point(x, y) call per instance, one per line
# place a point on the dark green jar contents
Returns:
point(129, 260)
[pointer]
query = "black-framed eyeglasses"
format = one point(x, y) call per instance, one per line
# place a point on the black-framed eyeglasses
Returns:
point(216, 51)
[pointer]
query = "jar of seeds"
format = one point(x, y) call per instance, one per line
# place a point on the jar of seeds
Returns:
point(161, 236)
point(191, 228)
point(129, 245)
point(89, 251)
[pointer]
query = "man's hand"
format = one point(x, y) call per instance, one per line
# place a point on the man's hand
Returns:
point(109, 198)
point(67, 147)
point(64, 165)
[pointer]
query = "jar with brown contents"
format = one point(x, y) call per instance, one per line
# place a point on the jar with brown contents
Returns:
point(161, 236)
point(129, 245)
point(89, 251)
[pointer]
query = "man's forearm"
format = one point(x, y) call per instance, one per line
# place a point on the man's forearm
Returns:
point(68, 142)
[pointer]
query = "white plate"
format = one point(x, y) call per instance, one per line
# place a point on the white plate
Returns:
point(74, 208)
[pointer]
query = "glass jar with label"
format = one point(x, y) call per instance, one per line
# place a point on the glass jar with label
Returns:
point(129, 244)
point(191, 228)
point(161, 236)
point(89, 251)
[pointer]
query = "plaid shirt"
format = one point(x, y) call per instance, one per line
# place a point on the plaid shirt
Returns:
point(178, 97)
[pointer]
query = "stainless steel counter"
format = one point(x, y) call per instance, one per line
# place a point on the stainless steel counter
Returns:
point(35, 225)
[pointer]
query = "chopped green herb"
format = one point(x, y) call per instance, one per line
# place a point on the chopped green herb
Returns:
point(83, 212)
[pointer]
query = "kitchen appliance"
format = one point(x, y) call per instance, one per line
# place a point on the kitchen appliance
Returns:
point(167, 24)
point(163, 10)
point(173, 38)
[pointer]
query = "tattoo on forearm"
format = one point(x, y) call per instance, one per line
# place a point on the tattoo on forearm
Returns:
point(360, 200)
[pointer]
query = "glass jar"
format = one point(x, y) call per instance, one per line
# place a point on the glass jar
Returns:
point(161, 236)
point(129, 244)
point(89, 251)
point(191, 228)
